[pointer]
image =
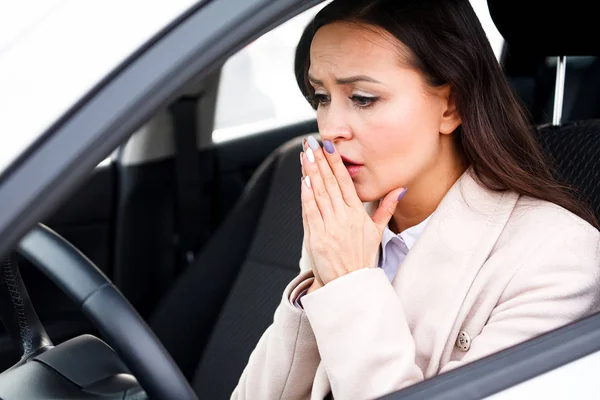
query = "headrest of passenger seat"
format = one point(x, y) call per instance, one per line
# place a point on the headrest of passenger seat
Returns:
point(549, 28)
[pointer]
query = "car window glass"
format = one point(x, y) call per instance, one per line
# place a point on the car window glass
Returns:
point(258, 90)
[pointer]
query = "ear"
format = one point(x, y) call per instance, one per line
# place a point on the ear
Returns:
point(450, 119)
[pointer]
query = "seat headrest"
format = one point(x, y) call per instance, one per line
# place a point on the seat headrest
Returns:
point(549, 28)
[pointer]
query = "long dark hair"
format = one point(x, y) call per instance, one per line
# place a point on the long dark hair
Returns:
point(449, 46)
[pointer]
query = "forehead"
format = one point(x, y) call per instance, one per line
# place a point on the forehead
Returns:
point(357, 47)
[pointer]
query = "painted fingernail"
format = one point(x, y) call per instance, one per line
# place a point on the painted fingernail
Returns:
point(307, 181)
point(310, 155)
point(312, 142)
point(328, 146)
point(300, 158)
point(402, 194)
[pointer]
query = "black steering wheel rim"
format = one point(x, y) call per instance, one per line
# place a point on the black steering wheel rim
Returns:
point(110, 312)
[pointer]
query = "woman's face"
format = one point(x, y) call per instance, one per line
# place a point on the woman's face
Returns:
point(377, 109)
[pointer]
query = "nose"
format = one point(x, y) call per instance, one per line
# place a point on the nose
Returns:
point(334, 123)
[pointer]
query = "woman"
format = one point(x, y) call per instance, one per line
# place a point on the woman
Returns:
point(425, 148)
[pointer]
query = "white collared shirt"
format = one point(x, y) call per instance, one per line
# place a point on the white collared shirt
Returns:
point(394, 248)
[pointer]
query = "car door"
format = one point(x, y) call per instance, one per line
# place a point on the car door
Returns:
point(143, 85)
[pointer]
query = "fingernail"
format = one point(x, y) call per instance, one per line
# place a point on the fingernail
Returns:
point(310, 155)
point(301, 158)
point(304, 143)
point(307, 181)
point(312, 142)
point(402, 194)
point(328, 146)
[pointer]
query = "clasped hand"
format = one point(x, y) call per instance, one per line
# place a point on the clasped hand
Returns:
point(340, 236)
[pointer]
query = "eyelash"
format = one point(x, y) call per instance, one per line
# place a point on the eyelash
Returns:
point(369, 100)
point(319, 100)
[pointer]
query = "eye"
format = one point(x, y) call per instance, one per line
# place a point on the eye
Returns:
point(319, 100)
point(363, 101)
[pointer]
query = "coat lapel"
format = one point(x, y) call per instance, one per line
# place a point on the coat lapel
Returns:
point(437, 273)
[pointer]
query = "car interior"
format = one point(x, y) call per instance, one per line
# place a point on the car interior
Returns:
point(202, 237)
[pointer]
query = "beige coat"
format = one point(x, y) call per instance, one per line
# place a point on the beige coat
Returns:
point(500, 267)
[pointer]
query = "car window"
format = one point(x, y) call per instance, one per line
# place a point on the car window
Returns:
point(258, 90)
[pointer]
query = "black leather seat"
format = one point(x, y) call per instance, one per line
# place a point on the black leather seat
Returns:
point(213, 317)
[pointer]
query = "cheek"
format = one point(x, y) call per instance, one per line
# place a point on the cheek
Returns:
point(409, 132)
point(401, 140)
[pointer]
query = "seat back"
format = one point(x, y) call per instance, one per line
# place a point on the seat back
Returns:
point(185, 317)
point(271, 263)
point(575, 150)
point(238, 280)
point(533, 79)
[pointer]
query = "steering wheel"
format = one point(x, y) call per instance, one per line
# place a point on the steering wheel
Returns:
point(114, 317)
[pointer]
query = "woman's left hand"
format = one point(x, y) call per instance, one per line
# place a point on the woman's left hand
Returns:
point(340, 236)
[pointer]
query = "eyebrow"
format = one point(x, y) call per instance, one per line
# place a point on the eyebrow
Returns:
point(346, 81)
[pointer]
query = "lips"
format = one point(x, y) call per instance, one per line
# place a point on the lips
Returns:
point(348, 162)
point(352, 166)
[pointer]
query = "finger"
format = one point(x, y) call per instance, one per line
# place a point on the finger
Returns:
point(319, 191)
point(381, 217)
point(305, 243)
point(343, 178)
point(321, 166)
point(314, 218)
point(305, 226)
point(302, 158)
point(304, 173)
point(304, 147)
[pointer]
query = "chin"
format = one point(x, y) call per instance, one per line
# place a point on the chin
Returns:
point(367, 194)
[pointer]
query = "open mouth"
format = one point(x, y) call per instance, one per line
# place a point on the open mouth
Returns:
point(352, 167)
point(349, 163)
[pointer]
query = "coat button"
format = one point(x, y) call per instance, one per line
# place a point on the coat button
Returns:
point(463, 341)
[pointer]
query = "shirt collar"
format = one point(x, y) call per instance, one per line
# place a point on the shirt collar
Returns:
point(408, 236)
